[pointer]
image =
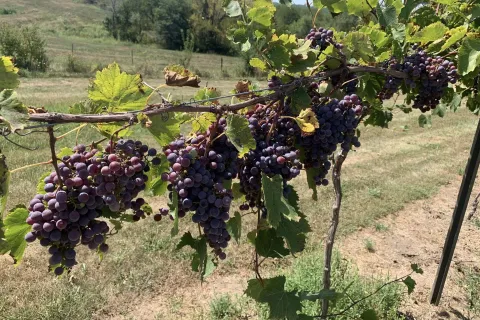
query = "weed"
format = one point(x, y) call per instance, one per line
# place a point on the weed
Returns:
point(370, 245)
point(381, 227)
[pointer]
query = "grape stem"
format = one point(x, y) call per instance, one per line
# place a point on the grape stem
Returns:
point(71, 131)
point(337, 186)
point(52, 141)
point(31, 165)
point(154, 109)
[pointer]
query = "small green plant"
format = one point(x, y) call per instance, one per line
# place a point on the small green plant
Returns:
point(476, 222)
point(75, 65)
point(381, 227)
point(188, 49)
point(370, 245)
point(223, 308)
point(461, 171)
point(471, 283)
point(6, 11)
point(374, 192)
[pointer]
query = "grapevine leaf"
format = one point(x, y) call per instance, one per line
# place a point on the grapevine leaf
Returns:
point(300, 100)
point(177, 76)
point(360, 7)
point(164, 127)
point(369, 314)
point(118, 91)
point(282, 304)
point(173, 205)
point(299, 63)
point(275, 202)
point(359, 46)
point(416, 268)
point(12, 111)
point(475, 12)
point(269, 244)
point(370, 85)
point(233, 9)
point(311, 173)
point(15, 228)
point(292, 197)
point(257, 63)
point(387, 15)
point(294, 233)
point(155, 185)
point(379, 116)
point(279, 55)
point(430, 33)
point(440, 110)
point(234, 226)
point(262, 12)
point(409, 7)
point(85, 107)
point(324, 294)
point(200, 261)
point(201, 123)
point(4, 184)
point(65, 151)
point(8, 74)
point(238, 133)
point(108, 129)
point(41, 183)
point(410, 283)
point(425, 121)
point(455, 35)
point(469, 55)
point(307, 121)
point(207, 93)
point(473, 104)
point(187, 240)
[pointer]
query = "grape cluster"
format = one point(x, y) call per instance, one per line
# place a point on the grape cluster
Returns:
point(89, 183)
point(274, 154)
point(338, 121)
point(349, 83)
point(198, 170)
point(392, 84)
point(274, 81)
point(431, 75)
point(322, 38)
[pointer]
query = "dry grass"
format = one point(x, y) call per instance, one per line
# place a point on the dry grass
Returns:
point(143, 277)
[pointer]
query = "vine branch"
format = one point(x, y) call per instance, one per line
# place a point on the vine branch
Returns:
point(155, 109)
point(337, 186)
point(52, 142)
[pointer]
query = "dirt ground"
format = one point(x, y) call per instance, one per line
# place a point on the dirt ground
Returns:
point(416, 234)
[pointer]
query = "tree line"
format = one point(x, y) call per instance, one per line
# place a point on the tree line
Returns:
point(170, 23)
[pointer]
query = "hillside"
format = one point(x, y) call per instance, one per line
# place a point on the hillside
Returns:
point(56, 17)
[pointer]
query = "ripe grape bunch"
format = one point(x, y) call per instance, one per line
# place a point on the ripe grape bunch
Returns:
point(274, 153)
point(392, 84)
point(89, 182)
point(338, 121)
point(348, 83)
point(322, 38)
point(198, 169)
point(431, 75)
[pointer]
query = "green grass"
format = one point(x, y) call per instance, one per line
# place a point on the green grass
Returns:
point(144, 273)
point(471, 284)
point(370, 245)
point(381, 227)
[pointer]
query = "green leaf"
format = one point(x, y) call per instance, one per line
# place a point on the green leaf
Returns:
point(358, 46)
point(455, 35)
point(425, 121)
point(86, 106)
point(387, 15)
point(324, 294)
point(416, 268)
point(15, 228)
point(294, 233)
point(234, 226)
point(8, 74)
point(410, 283)
point(269, 244)
point(12, 111)
point(239, 134)
point(440, 110)
point(300, 100)
point(108, 129)
point(164, 127)
point(41, 183)
point(257, 63)
point(262, 12)
point(379, 117)
point(173, 205)
point(205, 94)
point(233, 9)
point(4, 184)
point(155, 185)
point(282, 304)
point(431, 32)
point(370, 86)
point(237, 195)
point(201, 263)
point(468, 55)
point(360, 7)
point(369, 314)
point(118, 91)
point(275, 202)
point(201, 123)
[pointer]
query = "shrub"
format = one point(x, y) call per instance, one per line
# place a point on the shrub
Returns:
point(6, 11)
point(75, 65)
point(26, 47)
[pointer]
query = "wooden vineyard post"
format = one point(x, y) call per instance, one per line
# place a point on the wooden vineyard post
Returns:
point(457, 218)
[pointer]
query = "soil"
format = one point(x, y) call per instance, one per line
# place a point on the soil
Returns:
point(417, 234)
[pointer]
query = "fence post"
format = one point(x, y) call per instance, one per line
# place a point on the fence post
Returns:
point(132, 56)
point(221, 65)
point(457, 219)
point(72, 48)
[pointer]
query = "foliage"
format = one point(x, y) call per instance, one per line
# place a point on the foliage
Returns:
point(322, 85)
point(25, 45)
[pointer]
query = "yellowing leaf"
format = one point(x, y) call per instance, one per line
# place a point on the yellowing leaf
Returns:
point(307, 121)
point(12, 111)
point(257, 63)
point(202, 122)
point(430, 33)
point(118, 91)
point(455, 35)
point(8, 74)
point(178, 76)
point(239, 134)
